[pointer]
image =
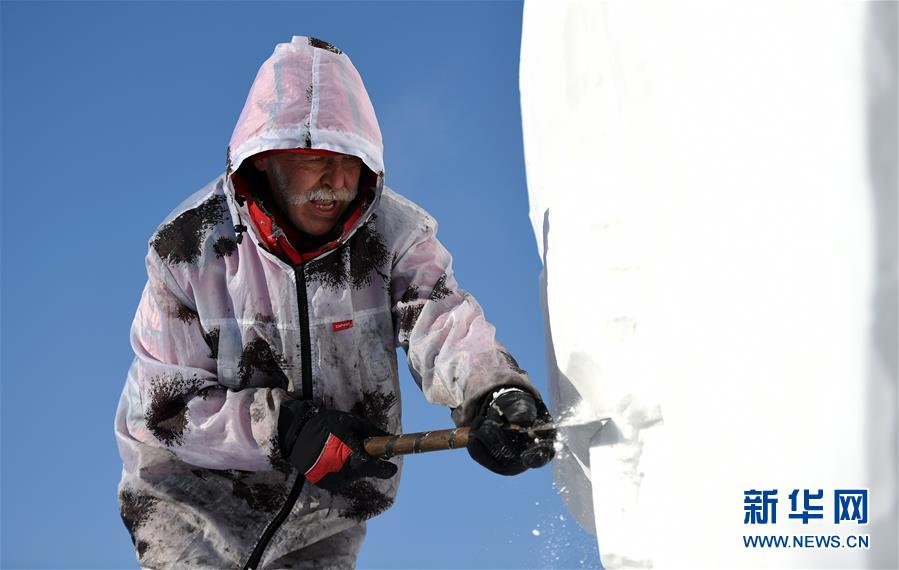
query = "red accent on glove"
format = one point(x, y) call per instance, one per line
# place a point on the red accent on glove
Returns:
point(332, 458)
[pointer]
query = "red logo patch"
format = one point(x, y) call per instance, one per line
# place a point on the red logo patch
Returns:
point(342, 325)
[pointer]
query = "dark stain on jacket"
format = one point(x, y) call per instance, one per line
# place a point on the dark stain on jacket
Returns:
point(166, 416)
point(185, 314)
point(330, 270)
point(212, 341)
point(365, 501)
point(375, 407)
point(259, 496)
point(440, 290)
point(179, 241)
point(409, 312)
point(275, 458)
point(259, 356)
point(136, 508)
point(367, 254)
point(224, 246)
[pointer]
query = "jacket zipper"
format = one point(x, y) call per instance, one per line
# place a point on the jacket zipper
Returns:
point(306, 361)
point(305, 342)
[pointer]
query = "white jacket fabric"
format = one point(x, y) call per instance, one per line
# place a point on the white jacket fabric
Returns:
point(226, 331)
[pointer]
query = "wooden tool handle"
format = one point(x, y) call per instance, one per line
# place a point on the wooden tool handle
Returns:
point(389, 445)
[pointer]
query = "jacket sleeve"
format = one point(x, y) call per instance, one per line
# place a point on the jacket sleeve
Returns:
point(174, 399)
point(452, 349)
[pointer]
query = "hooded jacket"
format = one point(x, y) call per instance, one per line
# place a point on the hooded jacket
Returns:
point(236, 317)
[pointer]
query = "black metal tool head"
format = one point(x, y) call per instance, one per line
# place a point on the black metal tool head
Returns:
point(540, 447)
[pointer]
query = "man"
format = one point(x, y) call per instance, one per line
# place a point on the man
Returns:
point(265, 340)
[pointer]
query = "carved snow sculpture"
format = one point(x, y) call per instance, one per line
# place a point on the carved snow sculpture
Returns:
point(713, 192)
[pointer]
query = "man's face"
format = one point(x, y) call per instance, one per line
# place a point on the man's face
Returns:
point(313, 191)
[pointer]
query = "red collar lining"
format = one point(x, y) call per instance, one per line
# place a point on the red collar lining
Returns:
point(285, 245)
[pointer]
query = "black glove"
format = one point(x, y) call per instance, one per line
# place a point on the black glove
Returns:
point(326, 445)
point(493, 443)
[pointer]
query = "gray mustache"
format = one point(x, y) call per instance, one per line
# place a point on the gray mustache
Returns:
point(339, 194)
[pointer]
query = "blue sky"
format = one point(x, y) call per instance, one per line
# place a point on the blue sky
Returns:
point(112, 113)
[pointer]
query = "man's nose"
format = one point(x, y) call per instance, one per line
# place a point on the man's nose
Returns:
point(334, 176)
